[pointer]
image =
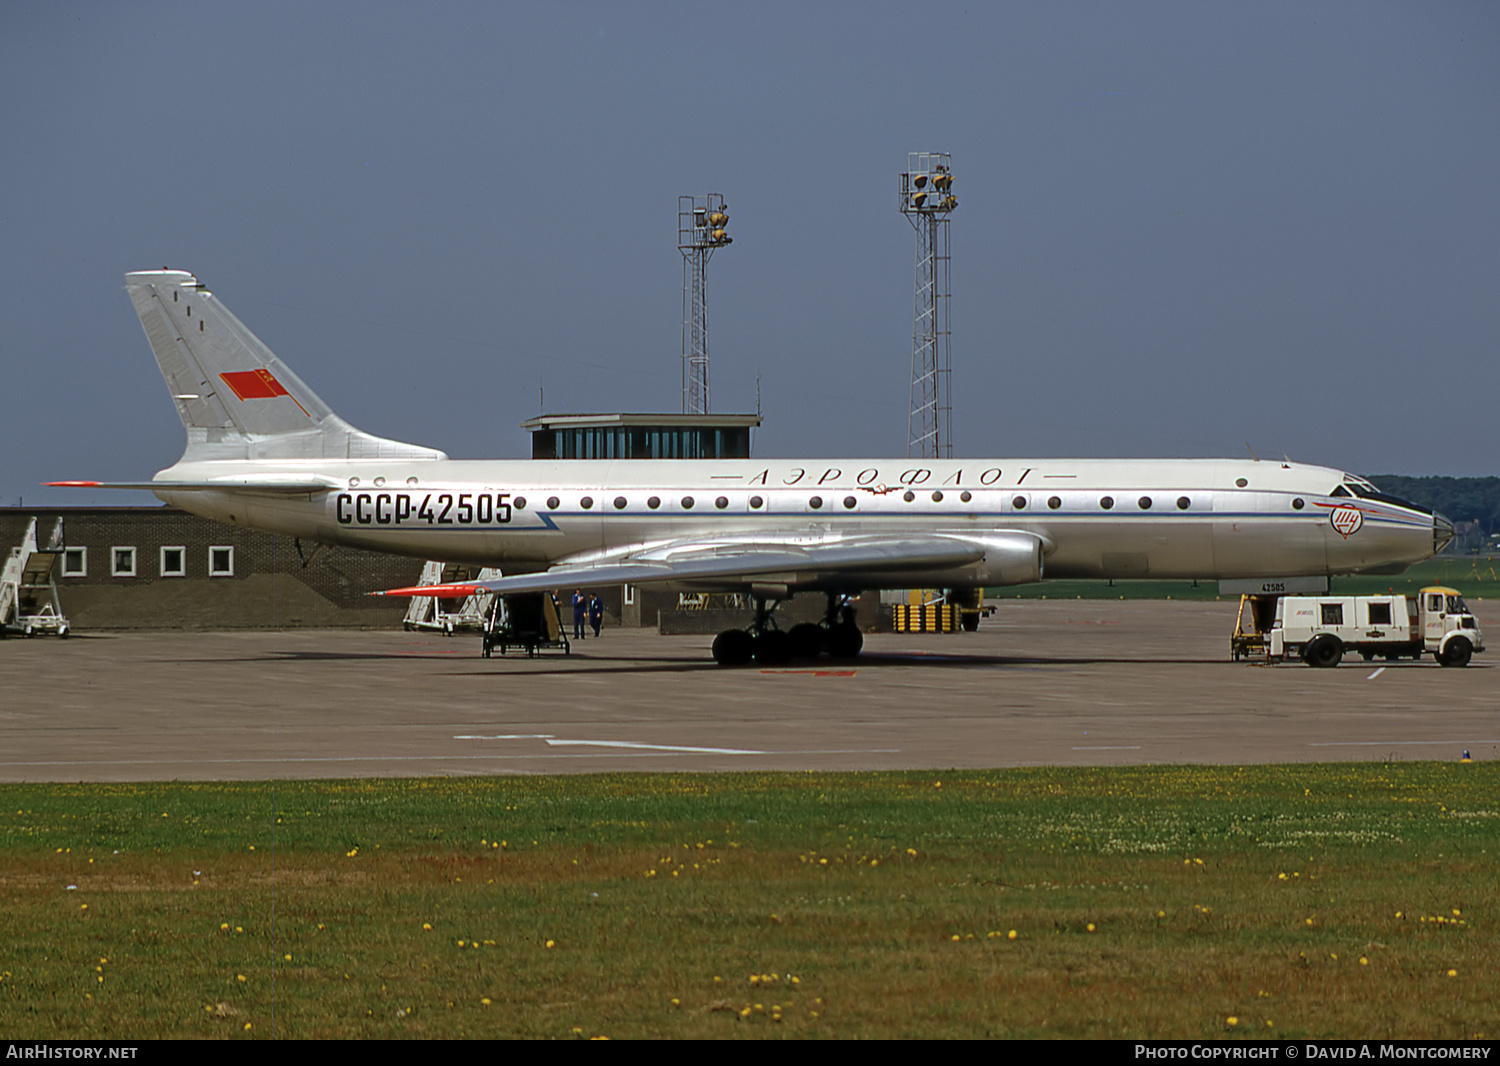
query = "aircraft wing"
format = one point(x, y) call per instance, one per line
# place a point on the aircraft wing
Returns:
point(729, 564)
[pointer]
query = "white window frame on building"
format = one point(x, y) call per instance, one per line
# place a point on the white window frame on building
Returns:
point(115, 553)
point(75, 562)
point(180, 569)
point(218, 571)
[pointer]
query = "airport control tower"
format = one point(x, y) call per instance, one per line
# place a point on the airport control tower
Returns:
point(926, 201)
point(701, 222)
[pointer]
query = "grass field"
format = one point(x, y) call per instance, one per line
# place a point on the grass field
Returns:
point(1474, 577)
point(1288, 901)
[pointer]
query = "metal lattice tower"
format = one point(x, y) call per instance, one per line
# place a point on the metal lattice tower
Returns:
point(926, 201)
point(700, 232)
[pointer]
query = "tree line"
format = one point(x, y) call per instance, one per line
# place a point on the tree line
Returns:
point(1462, 499)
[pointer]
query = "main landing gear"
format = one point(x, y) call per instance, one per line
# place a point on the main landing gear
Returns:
point(836, 634)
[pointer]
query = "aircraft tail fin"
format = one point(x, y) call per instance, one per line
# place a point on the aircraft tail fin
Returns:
point(235, 398)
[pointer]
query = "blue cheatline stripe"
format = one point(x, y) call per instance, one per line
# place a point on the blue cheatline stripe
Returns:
point(1008, 516)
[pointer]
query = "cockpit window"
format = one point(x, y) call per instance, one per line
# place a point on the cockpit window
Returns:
point(1456, 605)
point(1381, 497)
point(1366, 491)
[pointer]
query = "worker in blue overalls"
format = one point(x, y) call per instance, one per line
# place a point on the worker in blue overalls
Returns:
point(580, 612)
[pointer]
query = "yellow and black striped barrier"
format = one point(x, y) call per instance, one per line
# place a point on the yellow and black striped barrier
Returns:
point(925, 618)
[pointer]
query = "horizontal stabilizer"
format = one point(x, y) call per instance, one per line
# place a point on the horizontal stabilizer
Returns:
point(259, 484)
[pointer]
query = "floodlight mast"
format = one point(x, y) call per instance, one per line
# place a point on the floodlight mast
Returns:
point(701, 223)
point(926, 201)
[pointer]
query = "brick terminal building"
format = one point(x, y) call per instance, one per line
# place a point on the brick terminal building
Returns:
point(161, 568)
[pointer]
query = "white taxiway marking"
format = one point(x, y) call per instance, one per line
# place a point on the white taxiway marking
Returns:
point(1109, 747)
point(1376, 674)
point(656, 747)
point(511, 736)
point(556, 742)
point(553, 741)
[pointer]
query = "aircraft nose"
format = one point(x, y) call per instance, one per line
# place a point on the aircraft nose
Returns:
point(1442, 532)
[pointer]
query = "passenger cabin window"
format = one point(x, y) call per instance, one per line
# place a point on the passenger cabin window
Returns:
point(1333, 614)
point(1380, 614)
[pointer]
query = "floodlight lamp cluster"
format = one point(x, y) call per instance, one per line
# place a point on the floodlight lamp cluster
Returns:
point(916, 196)
point(709, 226)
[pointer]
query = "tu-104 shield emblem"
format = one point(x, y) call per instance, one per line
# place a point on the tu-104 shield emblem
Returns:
point(1346, 520)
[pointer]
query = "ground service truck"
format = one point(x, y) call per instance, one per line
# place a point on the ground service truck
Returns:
point(1321, 629)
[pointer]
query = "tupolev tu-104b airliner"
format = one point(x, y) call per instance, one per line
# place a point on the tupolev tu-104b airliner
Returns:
point(263, 450)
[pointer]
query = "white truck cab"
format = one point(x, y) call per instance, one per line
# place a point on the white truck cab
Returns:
point(1320, 629)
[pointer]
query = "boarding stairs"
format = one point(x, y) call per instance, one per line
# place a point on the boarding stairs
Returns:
point(1252, 628)
point(28, 589)
point(426, 612)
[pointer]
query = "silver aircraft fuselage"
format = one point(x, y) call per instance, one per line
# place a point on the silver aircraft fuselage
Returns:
point(1095, 518)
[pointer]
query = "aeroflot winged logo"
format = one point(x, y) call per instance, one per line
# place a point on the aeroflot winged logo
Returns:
point(1346, 520)
point(258, 385)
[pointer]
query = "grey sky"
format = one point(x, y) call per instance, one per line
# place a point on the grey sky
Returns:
point(1181, 226)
